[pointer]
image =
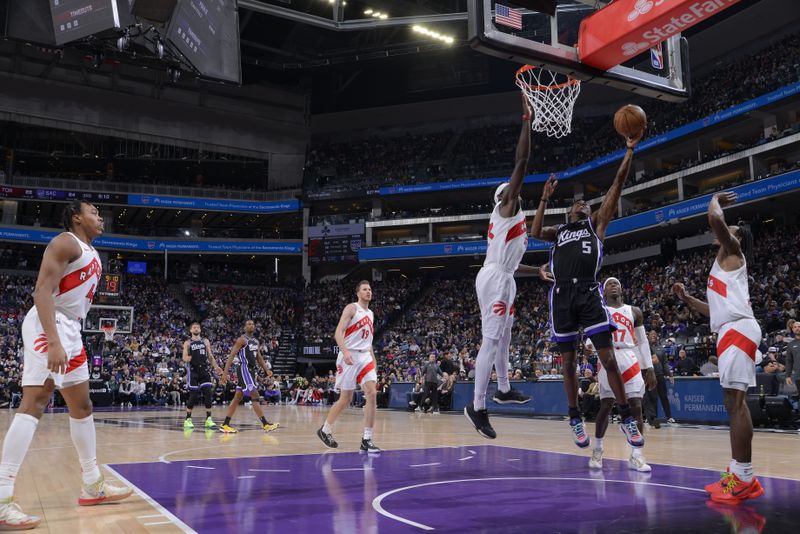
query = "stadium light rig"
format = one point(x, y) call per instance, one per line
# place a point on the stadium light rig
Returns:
point(447, 39)
point(374, 13)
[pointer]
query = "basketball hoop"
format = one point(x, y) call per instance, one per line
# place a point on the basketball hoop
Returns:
point(552, 98)
point(108, 331)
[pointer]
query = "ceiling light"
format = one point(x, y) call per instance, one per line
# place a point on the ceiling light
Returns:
point(384, 16)
point(368, 11)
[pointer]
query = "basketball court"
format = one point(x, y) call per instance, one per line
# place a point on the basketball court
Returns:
point(436, 474)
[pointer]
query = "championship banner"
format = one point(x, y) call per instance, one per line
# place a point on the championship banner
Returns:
point(626, 28)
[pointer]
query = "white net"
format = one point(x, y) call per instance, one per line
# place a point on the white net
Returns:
point(552, 97)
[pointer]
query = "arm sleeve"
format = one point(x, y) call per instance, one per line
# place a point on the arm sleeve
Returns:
point(643, 349)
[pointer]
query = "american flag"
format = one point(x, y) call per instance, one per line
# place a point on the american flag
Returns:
point(508, 16)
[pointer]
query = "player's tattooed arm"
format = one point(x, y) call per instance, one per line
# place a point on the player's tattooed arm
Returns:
point(695, 304)
point(547, 233)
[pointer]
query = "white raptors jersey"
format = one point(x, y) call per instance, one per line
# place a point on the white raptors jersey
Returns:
point(508, 240)
point(76, 289)
point(728, 296)
point(359, 332)
point(624, 336)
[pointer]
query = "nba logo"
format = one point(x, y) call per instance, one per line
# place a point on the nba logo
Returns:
point(660, 215)
point(151, 245)
point(145, 200)
point(355, 244)
point(657, 56)
point(448, 249)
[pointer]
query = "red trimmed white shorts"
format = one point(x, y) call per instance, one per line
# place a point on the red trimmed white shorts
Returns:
point(631, 377)
point(362, 370)
point(496, 290)
point(35, 371)
point(737, 346)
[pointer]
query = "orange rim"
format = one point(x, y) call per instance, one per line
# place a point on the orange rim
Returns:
point(526, 68)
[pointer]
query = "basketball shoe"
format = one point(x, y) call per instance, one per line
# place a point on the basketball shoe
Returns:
point(227, 429)
point(638, 463)
point(581, 438)
point(269, 427)
point(210, 423)
point(631, 431)
point(480, 420)
point(512, 396)
point(13, 518)
point(188, 424)
point(732, 490)
point(327, 439)
point(102, 491)
point(368, 446)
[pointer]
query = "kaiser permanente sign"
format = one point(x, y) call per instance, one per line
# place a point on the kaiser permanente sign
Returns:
point(627, 28)
point(688, 208)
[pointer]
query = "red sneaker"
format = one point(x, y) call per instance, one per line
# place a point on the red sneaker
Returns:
point(740, 518)
point(732, 490)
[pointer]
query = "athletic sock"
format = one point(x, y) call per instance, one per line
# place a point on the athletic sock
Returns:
point(598, 444)
point(15, 446)
point(574, 413)
point(208, 414)
point(227, 421)
point(188, 415)
point(263, 420)
point(483, 370)
point(743, 470)
point(636, 452)
point(327, 427)
point(85, 441)
point(624, 411)
point(367, 433)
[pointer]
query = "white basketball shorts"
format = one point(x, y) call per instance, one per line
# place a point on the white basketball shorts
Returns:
point(737, 344)
point(362, 370)
point(631, 376)
point(35, 371)
point(496, 291)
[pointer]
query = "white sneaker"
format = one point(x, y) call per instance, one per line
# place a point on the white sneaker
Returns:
point(671, 421)
point(638, 463)
point(596, 461)
point(13, 518)
point(102, 491)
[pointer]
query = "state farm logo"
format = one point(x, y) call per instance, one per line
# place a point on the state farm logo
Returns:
point(634, 49)
point(641, 7)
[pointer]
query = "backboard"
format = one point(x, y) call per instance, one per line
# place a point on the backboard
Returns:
point(99, 315)
point(551, 42)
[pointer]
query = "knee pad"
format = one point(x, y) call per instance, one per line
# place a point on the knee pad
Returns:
point(602, 340)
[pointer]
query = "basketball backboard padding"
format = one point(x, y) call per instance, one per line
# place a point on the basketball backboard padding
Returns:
point(558, 55)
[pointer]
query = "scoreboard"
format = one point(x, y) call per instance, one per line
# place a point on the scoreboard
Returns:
point(59, 195)
point(110, 285)
point(337, 243)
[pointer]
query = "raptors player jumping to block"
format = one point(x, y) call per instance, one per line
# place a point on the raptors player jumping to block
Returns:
point(55, 358)
point(355, 365)
point(632, 352)
point(576, 299)
point(739, 335)
point(496, 288)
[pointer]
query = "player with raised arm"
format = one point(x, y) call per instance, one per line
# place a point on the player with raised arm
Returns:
point(355, 365)
point(739, 335)
point(197, 354)
point(576, 299)
point(246, 352)
point(56, 358)
point(506, 245)
point(632, 352)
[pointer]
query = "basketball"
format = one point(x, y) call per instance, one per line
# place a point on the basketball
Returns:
point(630, 120)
